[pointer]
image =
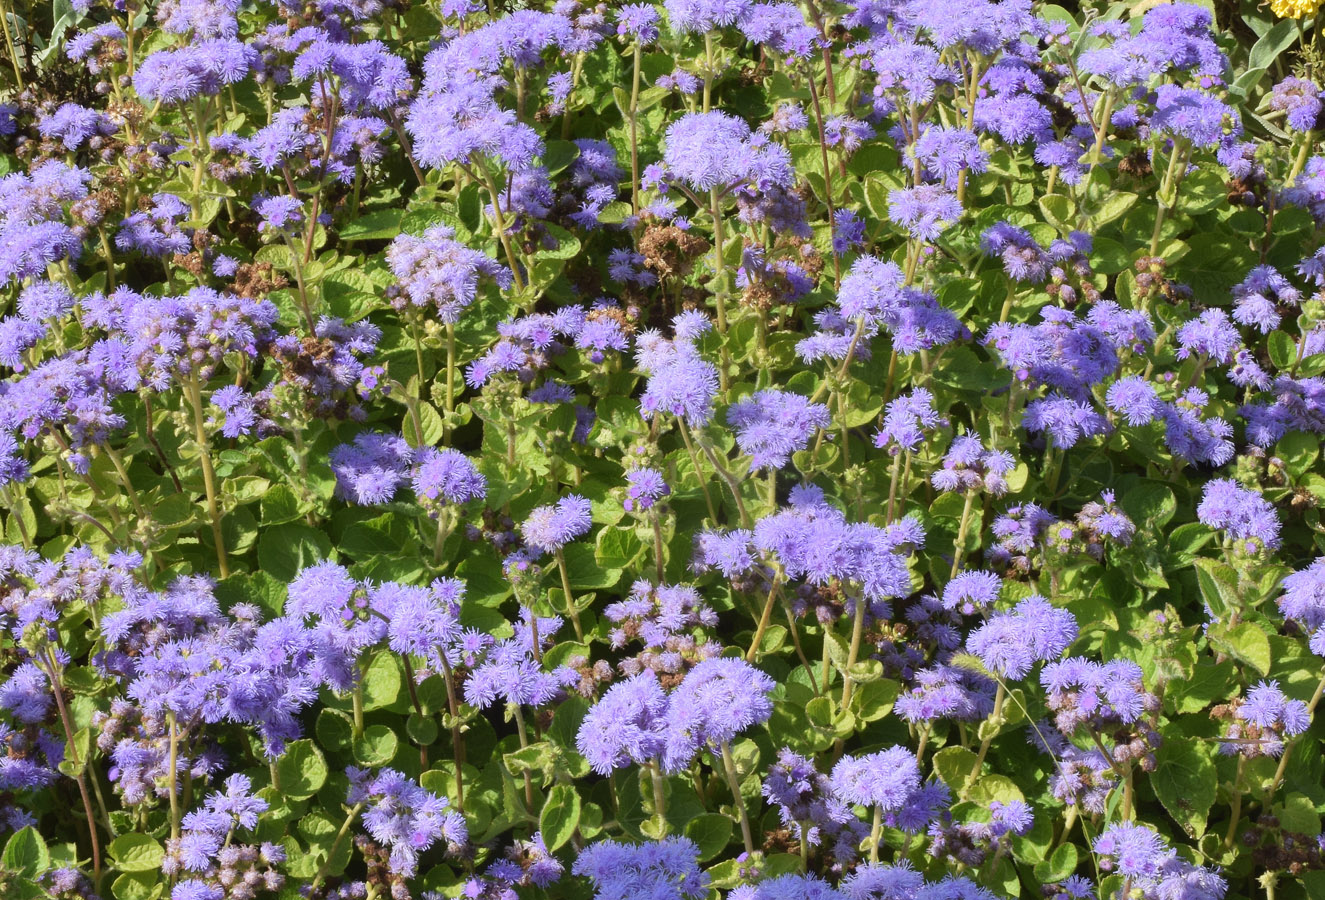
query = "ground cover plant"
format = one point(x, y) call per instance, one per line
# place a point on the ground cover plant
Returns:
point(720, 450)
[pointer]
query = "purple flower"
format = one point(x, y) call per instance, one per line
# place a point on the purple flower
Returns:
point(657, 870)
point(1303, 599)
point(907, 420)
point(848, 231)
point(370, 470)
point(1300, 100)
point(1010, 643)
point(639, 21)
point(1023, 258)
point(1153, 870)
point(770, 425)
point(447, 476)
point(156, 231)
point(198, 68)
point(1244, 514)
point(549, 528)
point(968, 466)
point(646, 487)
point(1098, 695)
point(402, 816)
point(681, 382)
point(947, 152)
point(788, 887)
point(1135, 399)
point(72, 125)
point(971, 592)
point(718, 699)
point(629, 724)
point(1263, 720)
point(925, 211)
point(886, 779)
point(1210, 334)
point(435, 270)
point(686, 16)
point(280, 213)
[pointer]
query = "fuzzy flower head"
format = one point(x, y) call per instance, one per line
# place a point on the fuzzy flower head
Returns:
point(657, 870)
point(770, 425)
point(404, 817)
point(1261, 723)
point(1010, 643)
point(886, 779)
point(968, 466)
point(436, 271)
point(1243, 514)
point(549, 528)
point(719, 698)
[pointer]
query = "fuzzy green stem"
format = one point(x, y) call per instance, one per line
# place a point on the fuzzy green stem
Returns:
point(958, 550)
point(335, 845)
point(994, 721)
point(733, 781)
point(571, 611)
point(208, 473)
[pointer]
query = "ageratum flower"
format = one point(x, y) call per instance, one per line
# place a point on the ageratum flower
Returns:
point(646, 487)
point(549, 528)
point(681, 382)
point(886, 779)
point(435, 270)
point(719, 698)
point(686, 16)
point(656, 870)
point(1010, 643)
point(200, 68)
point(1243, 514)
point(404, 817)
point(1154, 871)
point(771, 425)
point(629, 724)
point(788, 887)
point(1263, 721)
point(371, 469)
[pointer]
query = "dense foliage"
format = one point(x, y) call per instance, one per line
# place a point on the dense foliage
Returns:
point(738, 449)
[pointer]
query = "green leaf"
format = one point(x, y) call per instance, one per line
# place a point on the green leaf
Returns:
point(382, 225)
point(1281, 36)
point(560, 816)
point(1115, 206)
point(1297, 815)
point(279, 505)
point(1247, 643)
point(1208, 682)
point(285, 549)
point(26, 852)
point(1283, 349)
point(302, 770)
point(954, 766)
point(384, 683)
point(1060, 211)
point(1059, 866)
point(1218, 585)
point(377, 747)
point(136, 852)
point(711, 832)
point(1185, 781)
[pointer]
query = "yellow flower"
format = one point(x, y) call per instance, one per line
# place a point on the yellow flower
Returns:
point(1294, 9)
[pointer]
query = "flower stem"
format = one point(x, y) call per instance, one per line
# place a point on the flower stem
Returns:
point(729, 767)
point(994, 721)
point(962, 528)
point(571, 611)
point(335, 845)
point(208, 473)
